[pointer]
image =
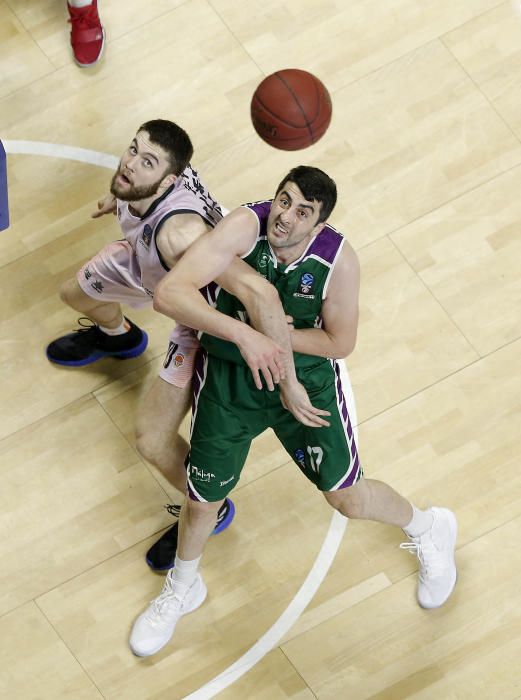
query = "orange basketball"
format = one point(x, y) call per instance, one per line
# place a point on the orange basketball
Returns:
point(291, 109)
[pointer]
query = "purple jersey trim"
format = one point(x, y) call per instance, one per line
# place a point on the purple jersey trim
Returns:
point(354, 471)
point(261, 211)
point(325, 246)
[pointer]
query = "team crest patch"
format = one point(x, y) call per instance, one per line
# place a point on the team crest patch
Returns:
point(305, 287)
point(264, 260)
point(146, 236)
point(179, 359)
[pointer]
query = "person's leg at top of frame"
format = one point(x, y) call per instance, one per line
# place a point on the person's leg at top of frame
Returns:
point(87, 32)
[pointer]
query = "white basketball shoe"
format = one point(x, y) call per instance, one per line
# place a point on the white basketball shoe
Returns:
point(154, 627)
point(435, 551)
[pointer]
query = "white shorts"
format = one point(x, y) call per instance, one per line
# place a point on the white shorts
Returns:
point(114, 275)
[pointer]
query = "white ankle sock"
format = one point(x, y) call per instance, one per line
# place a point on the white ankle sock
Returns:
point(123, 328)
point(79, 3)
point(421, 521)
point(185, 571)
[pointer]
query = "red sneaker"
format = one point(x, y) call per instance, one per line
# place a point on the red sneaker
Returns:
point(87, 34)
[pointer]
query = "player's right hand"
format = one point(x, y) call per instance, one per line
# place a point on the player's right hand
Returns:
point(295, 399)
point(106, 205)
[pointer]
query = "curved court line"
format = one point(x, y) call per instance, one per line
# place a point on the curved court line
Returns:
point(56, 150)
point(288, 618)
point(338, 522)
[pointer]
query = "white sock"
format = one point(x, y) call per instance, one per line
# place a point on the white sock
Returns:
point(421, 521)
point(79, 3)
point(185, 571)
point(123, 328)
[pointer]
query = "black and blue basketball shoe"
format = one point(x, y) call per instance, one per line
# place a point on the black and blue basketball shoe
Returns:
point(88, 344)
point(161, 554)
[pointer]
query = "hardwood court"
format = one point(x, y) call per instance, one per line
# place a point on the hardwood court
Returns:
point(425, 146)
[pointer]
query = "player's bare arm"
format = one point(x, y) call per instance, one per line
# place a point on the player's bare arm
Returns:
point(337, 337)
point(175, 237)
point(246, 284)
point(178, 294)
point(177, 234)
point(207, 259)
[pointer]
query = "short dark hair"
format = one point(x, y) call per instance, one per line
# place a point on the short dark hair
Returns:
point(314, 185)
point(172, 139)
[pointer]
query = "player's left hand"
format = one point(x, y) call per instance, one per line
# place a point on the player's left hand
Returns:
point(264, 357)
point(295, 399)
point(106, 205)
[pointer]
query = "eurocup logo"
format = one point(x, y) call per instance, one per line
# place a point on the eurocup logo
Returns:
point(305, 286)
point(306, 282)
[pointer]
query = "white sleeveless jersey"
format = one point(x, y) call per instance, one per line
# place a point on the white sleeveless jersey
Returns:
point(188, 195)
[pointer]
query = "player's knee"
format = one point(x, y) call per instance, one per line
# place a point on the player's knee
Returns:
point(353, 509)
point(148, 443)
point(73, 295)
point(148, 447)
point(66, 292)
point(348, 501)
point(199, 511)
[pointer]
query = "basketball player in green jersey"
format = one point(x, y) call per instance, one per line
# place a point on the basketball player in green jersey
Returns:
point(316, 275)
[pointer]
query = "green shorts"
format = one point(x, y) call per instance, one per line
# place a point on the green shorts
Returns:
point(229, 411)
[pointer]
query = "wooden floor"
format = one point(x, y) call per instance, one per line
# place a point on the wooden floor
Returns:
point(425, 146)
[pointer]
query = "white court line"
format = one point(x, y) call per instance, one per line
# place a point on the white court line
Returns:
point(337, 525)
point(288, 618)
point(56, 150)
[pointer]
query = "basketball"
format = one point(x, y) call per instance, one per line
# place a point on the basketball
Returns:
point(291, 109)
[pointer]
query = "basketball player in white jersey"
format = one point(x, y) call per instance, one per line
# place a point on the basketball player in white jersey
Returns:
point(162, 207)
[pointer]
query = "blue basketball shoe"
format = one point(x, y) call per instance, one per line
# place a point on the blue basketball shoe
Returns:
point(88, 344)
point(161, 555)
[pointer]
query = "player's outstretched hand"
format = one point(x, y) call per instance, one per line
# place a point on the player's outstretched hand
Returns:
point(106, 205)
point(264, 358)
point(295, 399)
